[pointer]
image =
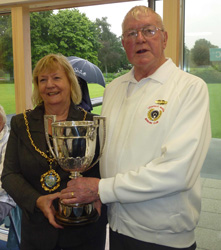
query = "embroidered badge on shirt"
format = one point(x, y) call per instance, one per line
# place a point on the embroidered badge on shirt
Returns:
point(155, 111)
point(161, 102)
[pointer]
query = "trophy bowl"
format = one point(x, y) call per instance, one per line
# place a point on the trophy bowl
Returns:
point(74, 144)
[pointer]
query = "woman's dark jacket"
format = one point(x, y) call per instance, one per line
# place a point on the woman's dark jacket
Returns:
point(23, 168)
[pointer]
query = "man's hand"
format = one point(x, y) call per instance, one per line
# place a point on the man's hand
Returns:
point(81, 190)
point(44, 203)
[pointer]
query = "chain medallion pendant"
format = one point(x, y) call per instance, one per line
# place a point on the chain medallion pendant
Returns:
point(50, 180)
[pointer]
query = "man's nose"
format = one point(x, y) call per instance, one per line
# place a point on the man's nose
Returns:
point(140, 36)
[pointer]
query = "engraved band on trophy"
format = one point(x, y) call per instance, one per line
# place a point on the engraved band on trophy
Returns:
point(74, 144)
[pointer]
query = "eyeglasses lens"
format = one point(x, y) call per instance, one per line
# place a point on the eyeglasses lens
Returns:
point(147, 31)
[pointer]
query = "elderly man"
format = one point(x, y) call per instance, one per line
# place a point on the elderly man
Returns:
point(158, 134)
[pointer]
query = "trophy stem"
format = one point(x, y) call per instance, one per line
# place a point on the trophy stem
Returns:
point(75, 175)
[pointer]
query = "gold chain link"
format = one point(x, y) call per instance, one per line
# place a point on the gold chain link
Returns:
point(85, 113)
point(50, 160)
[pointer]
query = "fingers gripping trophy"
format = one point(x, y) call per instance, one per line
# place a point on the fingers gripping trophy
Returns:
point(73, 146)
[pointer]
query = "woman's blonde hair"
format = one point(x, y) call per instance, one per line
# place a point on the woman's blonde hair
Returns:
point(140, 9)
point(2, 114)
point(52, 62)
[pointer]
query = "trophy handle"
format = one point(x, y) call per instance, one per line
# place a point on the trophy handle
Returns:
point(53, 119)
point(97, 122)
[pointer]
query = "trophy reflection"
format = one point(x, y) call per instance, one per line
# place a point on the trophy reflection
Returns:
point(74, 144)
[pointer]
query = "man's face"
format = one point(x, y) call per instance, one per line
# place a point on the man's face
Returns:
point(144, 52)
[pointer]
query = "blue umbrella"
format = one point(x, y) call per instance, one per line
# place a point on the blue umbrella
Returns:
point(86, 70)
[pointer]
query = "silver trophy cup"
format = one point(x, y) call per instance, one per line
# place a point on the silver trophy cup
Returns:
point(74, 144)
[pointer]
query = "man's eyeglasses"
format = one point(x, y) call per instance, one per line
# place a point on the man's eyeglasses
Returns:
point(147, 31)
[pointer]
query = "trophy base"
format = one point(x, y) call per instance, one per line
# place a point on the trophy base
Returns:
point(76, 214)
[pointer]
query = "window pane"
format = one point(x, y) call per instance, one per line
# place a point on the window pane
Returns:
point(202, 51)
point(107, 10)
point(7, 90)
point(159, 7)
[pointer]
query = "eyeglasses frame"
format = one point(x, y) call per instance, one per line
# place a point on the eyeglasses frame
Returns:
point(141, 30)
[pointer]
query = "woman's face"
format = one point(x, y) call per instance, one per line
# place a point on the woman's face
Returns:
point(54, 87)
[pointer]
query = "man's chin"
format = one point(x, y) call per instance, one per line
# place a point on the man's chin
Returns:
point(143, 60)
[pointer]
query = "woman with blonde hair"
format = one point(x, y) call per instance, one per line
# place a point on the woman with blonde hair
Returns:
point(56, 92)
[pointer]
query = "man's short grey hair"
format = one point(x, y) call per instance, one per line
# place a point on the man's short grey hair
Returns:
point(140, 9)
point(2, 114)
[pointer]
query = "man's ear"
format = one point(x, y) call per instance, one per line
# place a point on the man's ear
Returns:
point(165, 38)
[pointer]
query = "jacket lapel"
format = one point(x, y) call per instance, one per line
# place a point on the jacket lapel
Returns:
point(36, 126)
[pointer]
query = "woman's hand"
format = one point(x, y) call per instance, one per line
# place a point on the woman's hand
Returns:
point(97, 206)
point(44, 203)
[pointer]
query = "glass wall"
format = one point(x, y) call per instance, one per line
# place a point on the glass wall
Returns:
point(7, 90)
point(159, 7)
point(202, 51)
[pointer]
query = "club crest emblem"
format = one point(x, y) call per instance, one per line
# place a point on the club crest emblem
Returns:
point(155, 112)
